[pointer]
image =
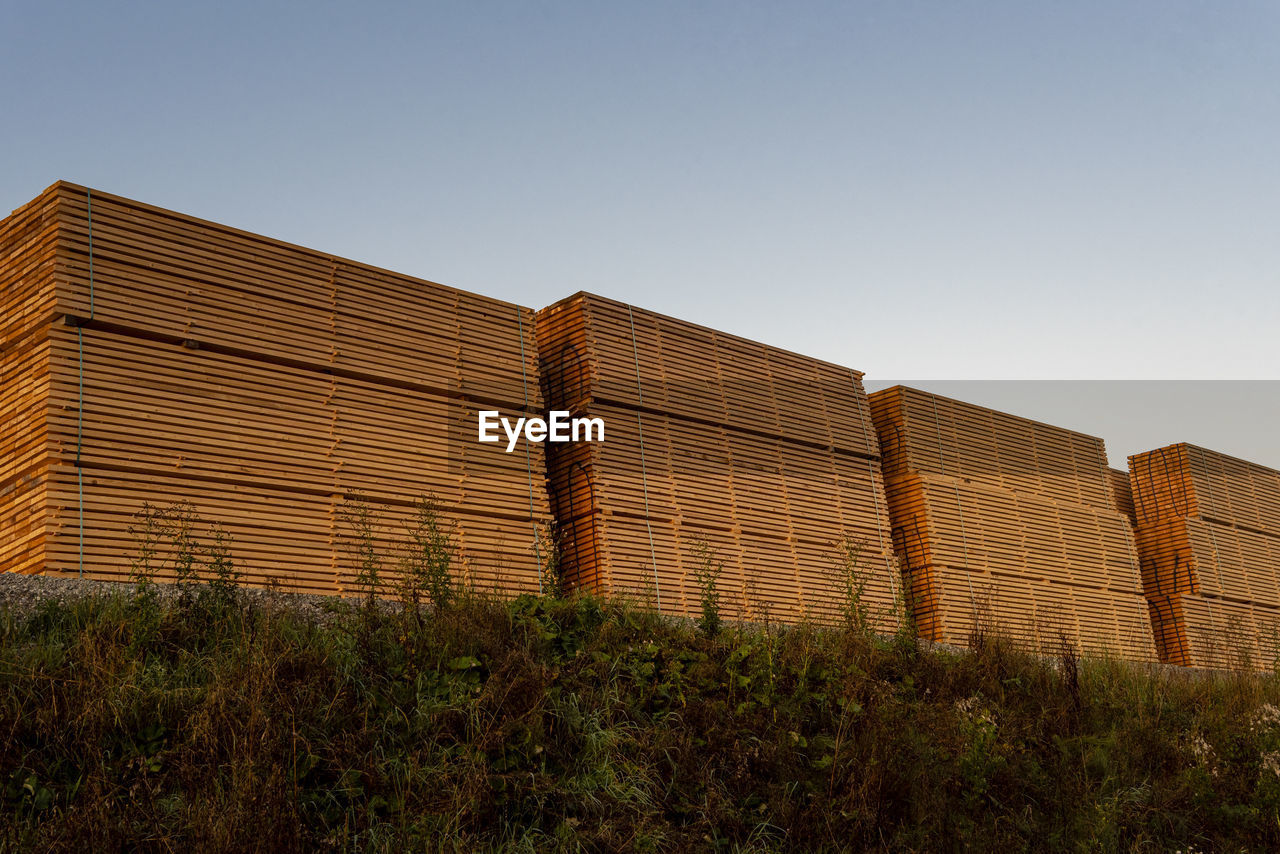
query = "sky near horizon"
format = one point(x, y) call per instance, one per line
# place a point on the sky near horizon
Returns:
point(1002, 190)
point(1233, 417)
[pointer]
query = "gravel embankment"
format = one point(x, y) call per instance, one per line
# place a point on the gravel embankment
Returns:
point(21, 594)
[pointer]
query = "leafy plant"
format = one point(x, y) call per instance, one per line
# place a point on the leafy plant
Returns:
point(550, 554)
point(181, 520)
point(224, 577)
point(707, 570)
point(148, 530)
point(361, 521)
point(850, 576)
point(426, 566)
point(167, 543)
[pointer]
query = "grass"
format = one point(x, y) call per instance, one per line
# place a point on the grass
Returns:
point(205, 722)
point(458, 722)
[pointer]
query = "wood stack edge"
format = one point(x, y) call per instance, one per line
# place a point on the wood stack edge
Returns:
point(1209, 537)
point(1008, 526)
point(153, 358)
point(148, 358)
point(765, 458)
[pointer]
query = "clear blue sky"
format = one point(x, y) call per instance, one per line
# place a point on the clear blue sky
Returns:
point(945, 190)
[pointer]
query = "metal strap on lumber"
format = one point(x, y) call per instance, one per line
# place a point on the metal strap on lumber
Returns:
point(1140, 495)
point(528, 457)
point(866, 436)
point(644, 478)
point(1130, 543)
point(964, 539)
point(1185, 510)
point(80, 390)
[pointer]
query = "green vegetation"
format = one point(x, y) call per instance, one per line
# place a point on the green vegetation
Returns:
point(558, 725)
point(706, 574)
point(547, 549)
point(850, 577)
point(426, 568)
point(216, 720)
point(360, 520)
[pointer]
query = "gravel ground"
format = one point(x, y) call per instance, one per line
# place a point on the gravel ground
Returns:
point(20, 594)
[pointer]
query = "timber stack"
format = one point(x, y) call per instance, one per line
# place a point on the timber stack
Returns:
point(1122, 494)
point(305, 404)
point(153, 358)
point(1209, 539)
point(1008, 526)
point(722, 457)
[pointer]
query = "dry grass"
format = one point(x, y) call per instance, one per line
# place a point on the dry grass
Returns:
point(543, 724)
point(212, 720)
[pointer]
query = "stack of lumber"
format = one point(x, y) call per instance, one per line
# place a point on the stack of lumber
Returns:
point(1008, 526)
point(27, 299)
point(766, 458)
point(150, 357)
point(1209, 539)
point(1122, 494)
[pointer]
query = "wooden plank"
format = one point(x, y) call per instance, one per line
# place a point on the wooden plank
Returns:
point(1008, 525)
point(922, 432)
point(1209, 538)
point(712, 438)
point(309, 378)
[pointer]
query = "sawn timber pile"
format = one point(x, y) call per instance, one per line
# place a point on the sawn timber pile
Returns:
point(766, 457)
point(1209, 539)
point(1008, 525)
point(152, 357)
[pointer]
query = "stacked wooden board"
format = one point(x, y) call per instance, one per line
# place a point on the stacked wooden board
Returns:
point(1122, 494)
point(766, 458)
point(1209, 539)
point(152, 357)
point(147, 357)
point(28, 242)
point(1010, 526)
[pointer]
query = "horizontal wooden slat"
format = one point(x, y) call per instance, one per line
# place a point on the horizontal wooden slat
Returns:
point(262, 382)
point(767, 457)
point(1008, 525)
point(1209, 538)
